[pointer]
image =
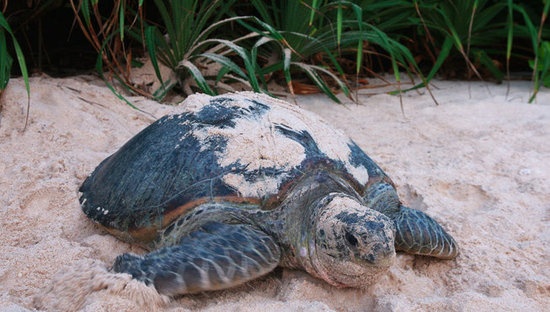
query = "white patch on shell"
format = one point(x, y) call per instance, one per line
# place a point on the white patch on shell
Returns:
point(256, 143)
point(268, 185)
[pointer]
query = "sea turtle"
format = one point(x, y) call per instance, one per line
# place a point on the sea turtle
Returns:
point(234, 185)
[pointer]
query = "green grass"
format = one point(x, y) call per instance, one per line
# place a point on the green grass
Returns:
point(297, 43)
point(300, 40)
point(541, 62)
point(6, 61)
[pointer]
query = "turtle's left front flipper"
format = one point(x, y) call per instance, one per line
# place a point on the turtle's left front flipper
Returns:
point(417, 233)
point(217, 256)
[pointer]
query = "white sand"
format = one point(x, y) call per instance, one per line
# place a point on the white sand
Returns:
point(479, 163)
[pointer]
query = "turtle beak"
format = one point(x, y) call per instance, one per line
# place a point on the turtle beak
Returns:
point(380, 254)
point(373, 244)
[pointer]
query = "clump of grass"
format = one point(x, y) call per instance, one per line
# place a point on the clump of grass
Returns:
point(474, 29)
point(182, 41)
point(312, 37)
point(296, 38)
point(106, 35)
point(482, 32)
point(6, 61)
point(185, 44)
point(541, 49)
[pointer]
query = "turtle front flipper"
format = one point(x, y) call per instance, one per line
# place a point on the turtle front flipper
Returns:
point(216, 256)
point(417, 233)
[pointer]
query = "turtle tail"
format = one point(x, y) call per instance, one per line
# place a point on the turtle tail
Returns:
point(417, 233)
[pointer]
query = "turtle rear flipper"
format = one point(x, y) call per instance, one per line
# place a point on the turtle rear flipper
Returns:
point(216, 256)
point(417, 233)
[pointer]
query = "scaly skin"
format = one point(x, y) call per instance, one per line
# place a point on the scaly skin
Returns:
point(216, 256)
point(417, 233)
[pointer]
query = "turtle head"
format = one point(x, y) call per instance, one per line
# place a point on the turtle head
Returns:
point(353, 243)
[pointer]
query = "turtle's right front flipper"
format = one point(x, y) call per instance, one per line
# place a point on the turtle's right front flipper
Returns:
point(216, 256)
point(417, 233)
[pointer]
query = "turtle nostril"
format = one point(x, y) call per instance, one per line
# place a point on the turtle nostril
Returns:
point(380, 254)
point(351, 239)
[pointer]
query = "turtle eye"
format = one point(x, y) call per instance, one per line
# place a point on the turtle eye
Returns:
point(351, 239)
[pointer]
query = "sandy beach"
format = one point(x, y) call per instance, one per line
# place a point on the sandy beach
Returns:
point(478, 163)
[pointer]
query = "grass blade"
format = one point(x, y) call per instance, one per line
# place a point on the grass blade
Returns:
point(339, 22)
point(197, 75)
point(509, 42)
point(6, 62)
point(249, 65)
point(286, 69)
point(311, 72)
point(226, 62)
